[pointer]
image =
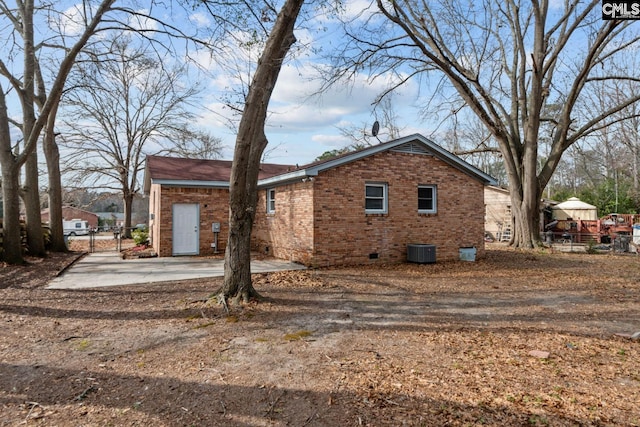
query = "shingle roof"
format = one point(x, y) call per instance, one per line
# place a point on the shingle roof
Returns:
point(181, 169)
point(176, 171)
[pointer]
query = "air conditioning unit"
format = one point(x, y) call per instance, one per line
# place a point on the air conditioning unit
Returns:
point(421, 253)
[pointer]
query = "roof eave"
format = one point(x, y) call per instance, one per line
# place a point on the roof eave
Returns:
point(440, 152)
point(190, 183)
point(285, 178)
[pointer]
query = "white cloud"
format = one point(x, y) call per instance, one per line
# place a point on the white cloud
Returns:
point(70, 22)
point(215, 115)
point(331, 141)
point(203, 60)
point(347, 11)
point(302, 122)
point(359, 9)
point(303, 117)
point(298, 103)
point(200, 19)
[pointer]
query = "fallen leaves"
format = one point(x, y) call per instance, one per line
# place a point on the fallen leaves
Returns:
point(514, 339)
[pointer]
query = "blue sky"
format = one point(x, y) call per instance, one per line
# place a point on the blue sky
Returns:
point(301, 126)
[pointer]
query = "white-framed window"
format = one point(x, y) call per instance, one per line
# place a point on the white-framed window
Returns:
point(375, 198)
point(427, 199)
point(271, 200)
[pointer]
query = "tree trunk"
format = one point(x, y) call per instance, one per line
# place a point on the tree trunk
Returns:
point(526, 223)
point(250, 144)
point(31, 191)
point(237, 260)
point(31, 197)
point(127, 200)
point(52, 156)
point(525, 193)
point(11, 240)
point(11, 245)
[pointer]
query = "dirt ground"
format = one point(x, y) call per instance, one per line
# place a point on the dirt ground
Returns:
point(516, 339)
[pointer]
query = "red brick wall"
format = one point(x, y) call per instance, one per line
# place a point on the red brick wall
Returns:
point(287, 233)
point(213, 205)
point(322, 222)
point(343, 234)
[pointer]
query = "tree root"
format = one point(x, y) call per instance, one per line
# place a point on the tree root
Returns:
point(239, 299)
point(222, 300)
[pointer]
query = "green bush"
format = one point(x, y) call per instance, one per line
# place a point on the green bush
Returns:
point(140, 237)
point(591, 246)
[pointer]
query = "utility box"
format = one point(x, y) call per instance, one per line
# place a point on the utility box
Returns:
point(468, 254)
point(215, 227)
point(421, 253)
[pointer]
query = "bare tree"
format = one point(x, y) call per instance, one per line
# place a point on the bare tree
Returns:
point(505, 60)
point(630, 136)
point(611, 154)
point(388, 127)
point(192, 143)
point(366, 134)
point(124, 103)
point(468, 138)
point(22, 85)
point(624, 156)
point(251, 142)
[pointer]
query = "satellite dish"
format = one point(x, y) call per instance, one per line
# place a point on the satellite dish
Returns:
point(375, 128)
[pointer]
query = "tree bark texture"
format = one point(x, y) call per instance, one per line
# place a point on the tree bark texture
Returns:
point(52, 157)
point(127, 200)
point(11, 245)
point(30, 191)
point(31, 198)
point(250, 144)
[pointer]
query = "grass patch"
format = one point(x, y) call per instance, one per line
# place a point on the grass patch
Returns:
point(204, 325)
point(296, 336)
point(83, 345)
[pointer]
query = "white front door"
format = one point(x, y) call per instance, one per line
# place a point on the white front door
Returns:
point(186, 232)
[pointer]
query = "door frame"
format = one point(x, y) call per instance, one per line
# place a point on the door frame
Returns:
point(196, 248)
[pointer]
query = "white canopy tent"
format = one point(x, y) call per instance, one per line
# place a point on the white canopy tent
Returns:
point(575, 209)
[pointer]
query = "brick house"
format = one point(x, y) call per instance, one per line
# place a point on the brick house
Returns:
point(362, 207)
point(71, 212)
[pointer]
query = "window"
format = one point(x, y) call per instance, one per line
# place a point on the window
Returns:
point(427, 199)
point(375, 198)
point(271, 200)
